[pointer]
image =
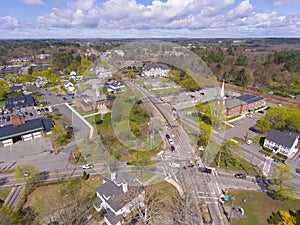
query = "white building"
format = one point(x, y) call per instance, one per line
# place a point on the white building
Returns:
point(120, 194)
point(282, 142)
point(155, 70)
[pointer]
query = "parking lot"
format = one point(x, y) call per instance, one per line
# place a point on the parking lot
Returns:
point(29, 113)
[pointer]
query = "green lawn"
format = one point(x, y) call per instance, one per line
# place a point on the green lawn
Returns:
point(241, 165)
point(259, 207)
point(48, 198)
point(4, 193)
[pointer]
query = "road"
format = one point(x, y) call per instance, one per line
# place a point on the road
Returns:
point(192, 184)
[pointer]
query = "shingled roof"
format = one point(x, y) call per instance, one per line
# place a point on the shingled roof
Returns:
point(282, 138)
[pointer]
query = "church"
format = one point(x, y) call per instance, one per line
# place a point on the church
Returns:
point(234, 106)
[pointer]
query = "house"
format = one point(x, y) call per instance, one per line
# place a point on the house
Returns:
point(120, 194)
point(114, 86)
point(19, 102)
point(239, 105)
point(24, 130)
point(155, 70)
point(282, 142)
point(70, 87)
point(18, 88)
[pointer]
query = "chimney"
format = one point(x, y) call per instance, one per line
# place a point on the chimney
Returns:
point(18, 120)
point(125, 186)
point(113, 176)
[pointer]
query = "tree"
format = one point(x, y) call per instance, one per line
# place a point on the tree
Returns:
point(27, 174)
point(9, 217)
point(281, 183)
point(277, 117)
point(227, 152)
point(59, 135)
point(242, 78)
point(287, 218)
point(4, 88)
point(263, 125)
point(242, 60)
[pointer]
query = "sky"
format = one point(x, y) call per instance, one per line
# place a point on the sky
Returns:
point(149, 19)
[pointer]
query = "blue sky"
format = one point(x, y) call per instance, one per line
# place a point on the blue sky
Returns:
point(147, 18)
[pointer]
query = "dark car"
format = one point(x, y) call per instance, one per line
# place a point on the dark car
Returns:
point(261, 112)
point(172, 148)
point(168, 136)
point(31, 114)
point(298, 170)
point(46, 109)
point(204, 170)
point(240, 175)
point(8, 118)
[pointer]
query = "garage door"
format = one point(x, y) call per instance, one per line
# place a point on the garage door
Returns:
point(36, 134)
point(27, 137)
point(7, 142)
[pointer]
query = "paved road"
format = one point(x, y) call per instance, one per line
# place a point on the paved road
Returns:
point(188, 182)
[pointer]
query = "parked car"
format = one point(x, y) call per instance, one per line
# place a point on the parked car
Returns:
point(31, 114)
point(174, 165)
point(88, 166)
point(172, 148)
point(204, 170)
point(297, 170)
point(249, 142)
point(171, 141)
point(240, 176)
point(261, 112)
point(168, 136)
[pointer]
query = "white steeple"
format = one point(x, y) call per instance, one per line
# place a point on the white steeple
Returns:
point(222, 92)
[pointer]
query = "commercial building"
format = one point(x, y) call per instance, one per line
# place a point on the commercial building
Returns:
point(21, 130)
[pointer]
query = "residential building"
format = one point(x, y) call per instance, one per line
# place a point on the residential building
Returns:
point(24, 130)
point(155, 70)
point(282, 142)
point(114, 86)
point(70, 87)
point(119, 195)
point(19, 102)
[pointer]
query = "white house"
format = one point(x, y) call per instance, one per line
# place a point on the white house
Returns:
point(282, 142)
point(69, 86)
point(120, 194)
point(155, 70)
point(115, 86)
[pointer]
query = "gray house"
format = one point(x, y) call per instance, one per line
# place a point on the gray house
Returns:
point(282, 142)
point(120, 194)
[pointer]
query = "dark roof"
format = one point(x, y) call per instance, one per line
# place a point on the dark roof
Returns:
point(249, 98)
point(281, 138)
point(18, 88)
point(233, 102)
point(30, 126)
point(114, 189)
point(111, 217)
point(150, 66)
point(20, 101)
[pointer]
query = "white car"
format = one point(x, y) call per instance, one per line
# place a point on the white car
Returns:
point(174, 165)
point(88, 166)
point(249, 142)
point(171, 141)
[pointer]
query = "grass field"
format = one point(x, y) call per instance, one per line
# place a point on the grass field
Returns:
point(48, 199)
point(259, 206)
point(4, 193)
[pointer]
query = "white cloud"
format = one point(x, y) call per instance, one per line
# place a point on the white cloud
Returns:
point(278, 3)
point(8, 22)
point(33, 2)
point(165, 18)
point(242, 10)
